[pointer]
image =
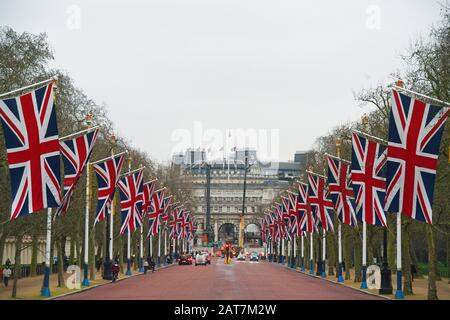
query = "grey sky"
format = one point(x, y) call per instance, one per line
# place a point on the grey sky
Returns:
point(290, 65)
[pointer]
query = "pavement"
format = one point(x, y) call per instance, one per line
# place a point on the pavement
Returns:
point(236, 281)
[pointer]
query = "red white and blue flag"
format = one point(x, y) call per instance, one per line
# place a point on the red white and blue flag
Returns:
point(156, 211)
point(76, 153)
point(320, 202)
point(285, 213)
point(149, 188)
point(307, 222)
point(167, 204)
point(340, 192)
point(107, 173)
point(368, 179)
point(131, 197)
point(184, 227)
point(294, 213)
point(175, 223)
point(32, 147)
point(415, 132)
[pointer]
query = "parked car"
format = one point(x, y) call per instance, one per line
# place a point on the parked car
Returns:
point(241, 257)
point(200, 258)
point(254, 256)
point(185, 259)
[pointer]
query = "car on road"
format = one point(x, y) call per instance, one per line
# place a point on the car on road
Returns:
point(200, 258)
point(241, 257)
point(254, 256)
point(185, 259)
point(207, 256)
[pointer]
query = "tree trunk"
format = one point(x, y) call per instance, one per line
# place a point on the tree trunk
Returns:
point(392, 242)
point(370, 239)
point(17, 266)
point(121, 254)
point(448, 253)
point(406, 259)
point(92, 254)
point(2, 246)
point(34, 253)
point(432, 290)
point(331, 246)
point(346, 250)
point(72, 249)
point(357, 255)
point(60, 246)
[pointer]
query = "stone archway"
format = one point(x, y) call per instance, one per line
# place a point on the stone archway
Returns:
point(228, 232)
point(252, 234)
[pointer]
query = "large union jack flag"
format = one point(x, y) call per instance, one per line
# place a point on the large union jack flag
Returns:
point(107, 173)
point(340, 192)
point(415, 131)
point(294, 213)
point(76, 153)
point(131, 198)
point(155, 212)
point(321, 205)
point(368, 179)
point(149, 188)
point(286, 216)
point(32, 147)
point(167, 204)
point(175, 223)
point(185, 224)
point(306, 222)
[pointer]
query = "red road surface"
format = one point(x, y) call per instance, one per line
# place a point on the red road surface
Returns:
point(239, 280)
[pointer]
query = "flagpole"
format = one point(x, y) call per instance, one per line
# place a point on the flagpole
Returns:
point(340, 277)
point(302, 267)
point(55, 78)
point(311, 259)
point(141, 249)
point(399, 293)
point(158, 259)
point(128, 273)
point(86, 216)
point(365, 122)
point(45, 291)
point(324, 248)
point(294, 255)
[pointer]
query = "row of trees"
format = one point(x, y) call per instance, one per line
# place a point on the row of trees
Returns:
point(25, 59)
point(427, 71)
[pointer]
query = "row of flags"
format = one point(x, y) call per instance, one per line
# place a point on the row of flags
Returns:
point(393, 177)
point(34, 152)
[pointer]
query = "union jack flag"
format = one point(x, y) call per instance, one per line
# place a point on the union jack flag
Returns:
point(368, 179)
point(321, 205)
point(294, 213)
point(156, 211)
point(184, 227)
point(340, 193)
point(107, 173)
point(415, 131)
point(307, 222)
point(167, 204)
point(149, 188)
point(32, 147)
point(285, 214)
point(131, 198)
point(280, 225)
point(76, 153)
point(175, 224)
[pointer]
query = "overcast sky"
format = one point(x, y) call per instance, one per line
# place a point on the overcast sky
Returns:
point(285, 65)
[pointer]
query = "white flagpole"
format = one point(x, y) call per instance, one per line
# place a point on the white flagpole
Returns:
point(364, 257)
point(111, 224)
point(311, 257)
point(28, 87)
point(340, 278)
point(86, 228)
point(294, 255)
point(282, 251)
point(324, 248)
point(151, 246)
point(158, 261)
point(399, 292)
point(128, 252)
point(141, 249)
point(45, 291)
point(302, 267)
point(165, 247)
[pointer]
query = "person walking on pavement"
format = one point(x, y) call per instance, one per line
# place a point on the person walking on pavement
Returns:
point(115, 271)
point(6, 275)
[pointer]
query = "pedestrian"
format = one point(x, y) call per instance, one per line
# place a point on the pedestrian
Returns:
point(115, 271)
point(145, 266)
point(151, 264)
point(98, 264)
point(6, 275)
